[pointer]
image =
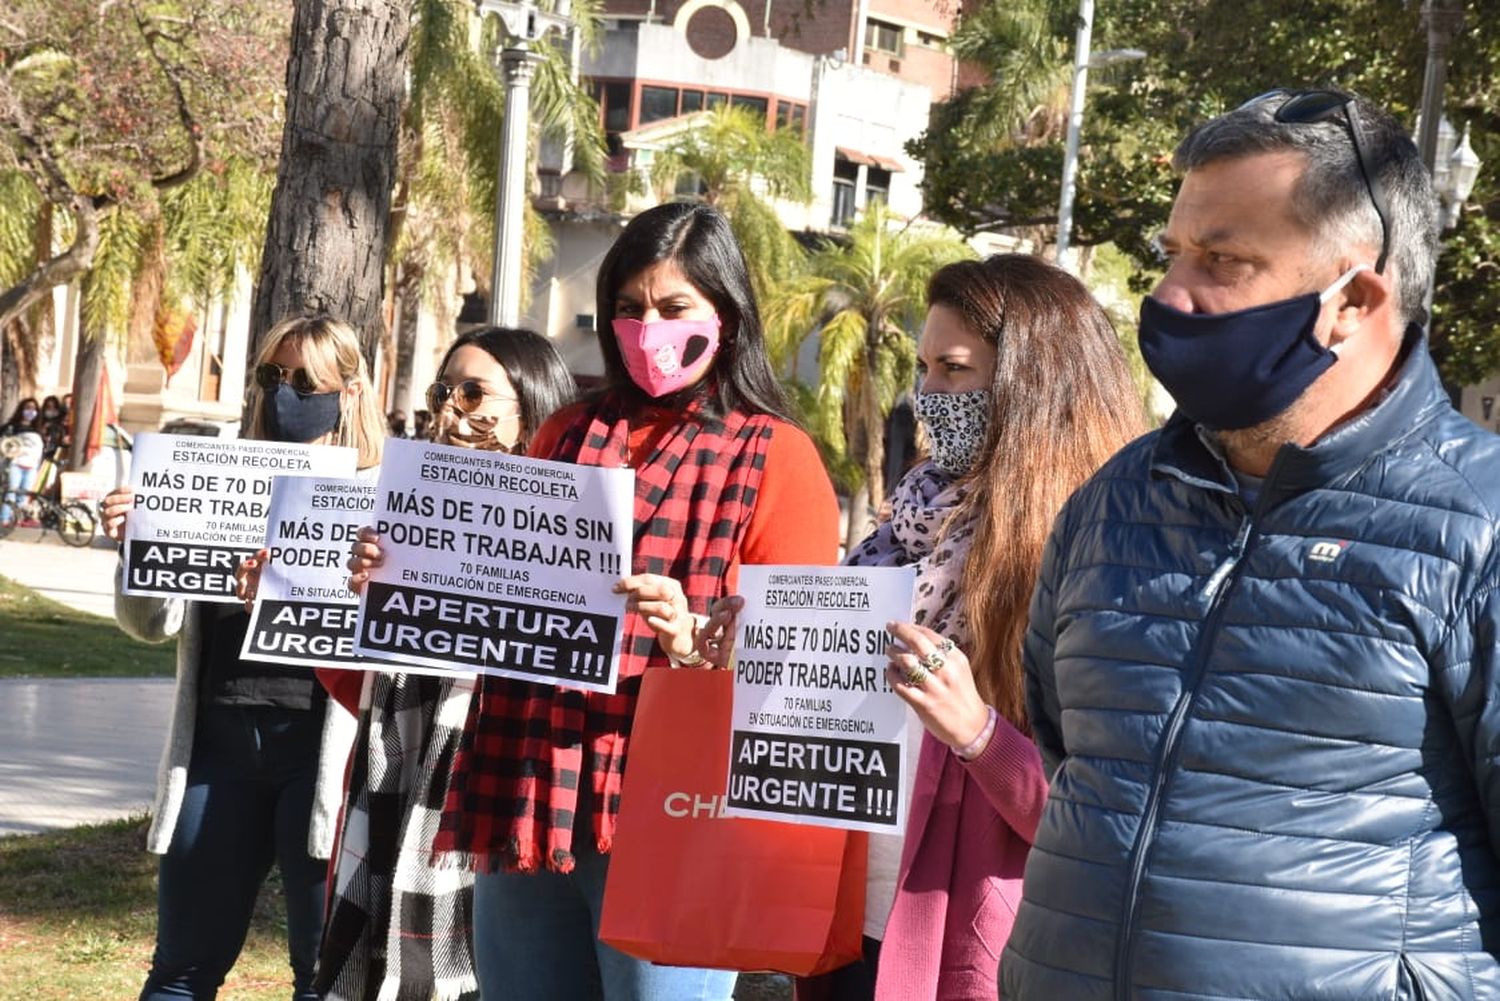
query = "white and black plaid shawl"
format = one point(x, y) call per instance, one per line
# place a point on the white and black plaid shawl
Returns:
point(398, 927)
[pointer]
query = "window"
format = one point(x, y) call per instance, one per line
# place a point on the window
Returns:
point(614, 101)
point(716, 98)
point(791, 116)
point(759, 105)
point(877, 186)
point(845, 174)
point(658, 103)
point(692, 100)
point(883, 36)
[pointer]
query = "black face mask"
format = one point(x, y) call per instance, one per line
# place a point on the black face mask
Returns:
point(300, 417)
point(1234, 370)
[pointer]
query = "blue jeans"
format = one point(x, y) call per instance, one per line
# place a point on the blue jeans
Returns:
point(17, 480)
point(248, 801)
point(536, 938)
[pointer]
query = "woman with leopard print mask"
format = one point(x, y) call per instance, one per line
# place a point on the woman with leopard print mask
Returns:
point(1023, 395)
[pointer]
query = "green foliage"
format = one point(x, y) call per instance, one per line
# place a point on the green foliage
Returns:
point(450, 156)
point(107, 285)
point(865, 299)
point(215, 227)
point(1204, 58)
point(20, 204)
point(739, 167)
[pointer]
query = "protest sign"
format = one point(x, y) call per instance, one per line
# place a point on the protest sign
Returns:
point(304, 612)
point(817, 735)
point(201, 505)
point(499, 564)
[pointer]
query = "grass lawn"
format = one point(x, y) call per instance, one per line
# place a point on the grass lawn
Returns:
point(40, 638)
point(78, 920)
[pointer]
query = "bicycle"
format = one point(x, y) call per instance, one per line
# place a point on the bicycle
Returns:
point(73, 521)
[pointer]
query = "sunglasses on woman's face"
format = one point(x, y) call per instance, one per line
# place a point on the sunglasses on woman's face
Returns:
point(465, 397)
point(269, 375)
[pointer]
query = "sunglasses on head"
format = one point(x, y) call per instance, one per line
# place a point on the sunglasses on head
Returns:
point(465, 397)
point(1306, 107)
point(269, 375)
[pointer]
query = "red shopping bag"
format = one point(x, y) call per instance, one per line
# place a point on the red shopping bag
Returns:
point(687, 887)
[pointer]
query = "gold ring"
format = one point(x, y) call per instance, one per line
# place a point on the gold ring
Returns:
point(933, 661)
point(916, 677)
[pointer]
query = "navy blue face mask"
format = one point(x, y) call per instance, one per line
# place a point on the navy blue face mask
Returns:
point(300, 417)
point(1236, 370)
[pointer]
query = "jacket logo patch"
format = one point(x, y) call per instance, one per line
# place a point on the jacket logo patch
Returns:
point(1326, 552)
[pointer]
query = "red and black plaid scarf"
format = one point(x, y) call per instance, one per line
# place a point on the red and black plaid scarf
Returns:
point(515, 784)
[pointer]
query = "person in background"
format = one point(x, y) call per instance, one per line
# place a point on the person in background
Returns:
point(252, 771)
point(25, 452)
point(723, 476)
point(396, 422)
point(1023, 394)
point(421, 424)
point(52, 425)
point(400, 926)
point(1262, 663)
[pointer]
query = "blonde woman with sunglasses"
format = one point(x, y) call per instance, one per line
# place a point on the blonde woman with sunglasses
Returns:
point(253, 765)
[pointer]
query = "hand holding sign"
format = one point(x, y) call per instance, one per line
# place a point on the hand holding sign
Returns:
point(364, 556)
point(716, 636)
point(945, 699)
point(662, 604)
point(247, 577)
point(114, 509)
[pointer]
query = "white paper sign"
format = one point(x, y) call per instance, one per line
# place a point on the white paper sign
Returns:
point(201, 506)
point(499, 564)
point(304, 612)
point(817, 736)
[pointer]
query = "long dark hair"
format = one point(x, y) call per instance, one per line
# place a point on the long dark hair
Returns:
point(531, 362)
point(15, 416)
point(1061, 403)
point(699, 241)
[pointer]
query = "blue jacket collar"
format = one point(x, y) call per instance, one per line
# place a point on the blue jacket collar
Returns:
point(1189, 452)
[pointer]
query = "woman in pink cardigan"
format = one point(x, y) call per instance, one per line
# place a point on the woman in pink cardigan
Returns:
point(1024, 393)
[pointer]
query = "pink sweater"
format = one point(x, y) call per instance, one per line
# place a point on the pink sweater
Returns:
point(970, 827)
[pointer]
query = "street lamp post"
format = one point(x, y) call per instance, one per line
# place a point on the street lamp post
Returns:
point(524, 25)
point(1082, 60)
point(1442, 18)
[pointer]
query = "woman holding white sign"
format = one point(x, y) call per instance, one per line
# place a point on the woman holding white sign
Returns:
point(1023, 394)
point(723, 476)
point(494, 388)
point(252, 771)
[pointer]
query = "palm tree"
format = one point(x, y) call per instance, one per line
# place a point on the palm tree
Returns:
point(443, 213)
point(866, 299)
point(741, 167)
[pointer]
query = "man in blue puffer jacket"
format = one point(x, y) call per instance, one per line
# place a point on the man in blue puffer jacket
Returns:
point(1262, 655)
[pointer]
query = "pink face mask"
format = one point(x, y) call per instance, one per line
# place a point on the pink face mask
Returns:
point(667, 355)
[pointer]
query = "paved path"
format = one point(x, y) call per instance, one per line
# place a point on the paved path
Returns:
point(75, 750)
point(80, 578)
point(78, 750)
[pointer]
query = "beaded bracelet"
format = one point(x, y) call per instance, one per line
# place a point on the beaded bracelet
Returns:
point(975, 747)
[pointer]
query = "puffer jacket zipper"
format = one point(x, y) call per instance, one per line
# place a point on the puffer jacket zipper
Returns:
point(1214, 591)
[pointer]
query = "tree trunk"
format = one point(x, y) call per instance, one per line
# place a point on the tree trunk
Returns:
point(86, 374)
point(10, 369)
point(408, 306)
point(326, 239)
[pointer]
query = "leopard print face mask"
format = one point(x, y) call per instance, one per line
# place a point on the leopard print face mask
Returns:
point(956, 424)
